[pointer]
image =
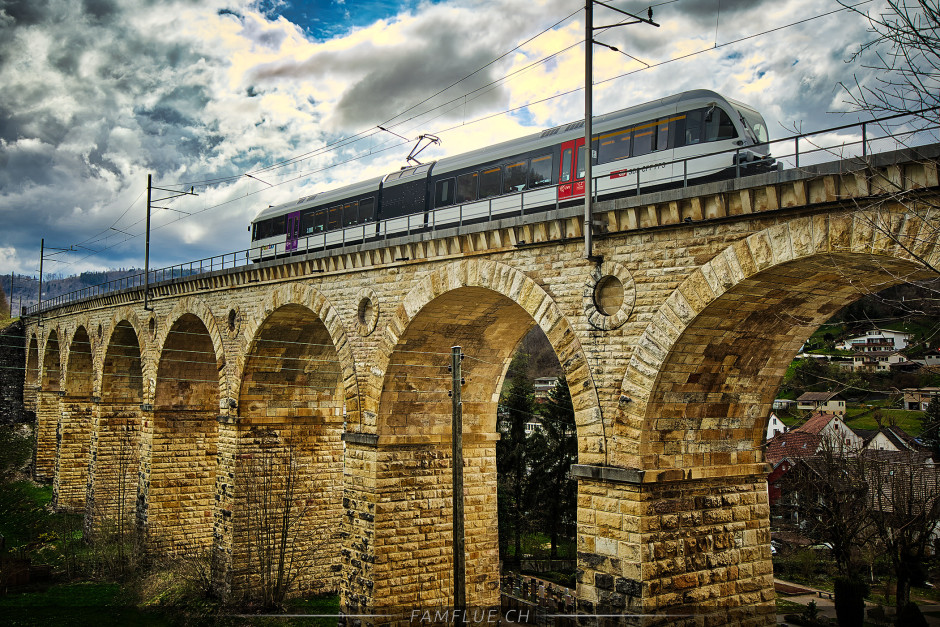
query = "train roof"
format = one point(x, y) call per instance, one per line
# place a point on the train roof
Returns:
point(543, 139)
point(314, 200)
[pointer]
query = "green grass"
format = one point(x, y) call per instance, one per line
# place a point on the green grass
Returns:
point(786, 606)
point(907, 420)
point(76, 604)
point(23, 514)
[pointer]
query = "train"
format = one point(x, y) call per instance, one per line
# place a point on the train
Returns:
point(691, 137)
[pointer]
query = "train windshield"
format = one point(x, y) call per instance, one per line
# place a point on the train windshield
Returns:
point(755, 123)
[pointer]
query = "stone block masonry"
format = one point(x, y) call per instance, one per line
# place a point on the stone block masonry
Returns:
point(673, 346)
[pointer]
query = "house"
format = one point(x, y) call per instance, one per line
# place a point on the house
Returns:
point(543, 387)
point(831, 427)
point(783, 403)
point(931, 357)
point(775, 426)
point(876, 340)
point(829, 402)
point(917, 399)
point(895, 439)
point(877, 361)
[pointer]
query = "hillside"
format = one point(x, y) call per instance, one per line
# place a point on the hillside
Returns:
point(26, 289)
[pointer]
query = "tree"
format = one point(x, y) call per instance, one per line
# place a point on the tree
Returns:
point(276, 507)
point(834, 503)
point(516, 408)
point(554, 447)
point(4, 305)
point(905, 513)
point(904, 52)
point(930, 436)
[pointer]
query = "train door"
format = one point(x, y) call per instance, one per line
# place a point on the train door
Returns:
point(293, 231)
point(570, 184)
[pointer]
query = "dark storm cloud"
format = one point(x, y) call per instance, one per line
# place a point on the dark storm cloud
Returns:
point(26, 12)
point(712, 9)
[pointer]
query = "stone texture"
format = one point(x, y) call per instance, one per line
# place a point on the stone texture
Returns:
point(172, 409)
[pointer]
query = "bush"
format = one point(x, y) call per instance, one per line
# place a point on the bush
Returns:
point(850, 601)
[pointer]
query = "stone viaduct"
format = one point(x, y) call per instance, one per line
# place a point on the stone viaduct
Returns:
point(674, 345)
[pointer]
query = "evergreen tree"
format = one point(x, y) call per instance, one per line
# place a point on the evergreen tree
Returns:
point(930, 436)
point(4, 305)
point(553, 448)
point(516, 407)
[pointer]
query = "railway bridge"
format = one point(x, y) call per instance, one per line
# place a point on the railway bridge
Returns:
point(674, 342)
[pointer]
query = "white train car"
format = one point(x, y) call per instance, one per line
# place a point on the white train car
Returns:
point(690, 137)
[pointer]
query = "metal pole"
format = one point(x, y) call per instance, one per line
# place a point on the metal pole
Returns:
point(42, 253)
point(588, 113)
point(147, 246)
point(460, 593)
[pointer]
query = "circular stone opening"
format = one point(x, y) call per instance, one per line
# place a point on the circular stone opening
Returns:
point(99, 331)
point(231, 319)
point(608, 295)
point(365, 312)
point(152, 325)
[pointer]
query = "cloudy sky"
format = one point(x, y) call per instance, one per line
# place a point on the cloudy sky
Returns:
point(97, 94)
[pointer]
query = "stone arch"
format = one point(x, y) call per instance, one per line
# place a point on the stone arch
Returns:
point(115, 442)
point(75, 424)
point(179, 466)
point(516, 287)
point(290, 411)
point(32, 361)
point(312, 299)
point(51, 363)
point(125, 318)
point(486, 308)
point(48, 406)
point(89, 343)
point(200, 310)
point(698, 389)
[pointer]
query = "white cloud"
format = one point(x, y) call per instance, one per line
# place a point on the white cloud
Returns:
point(92, 103)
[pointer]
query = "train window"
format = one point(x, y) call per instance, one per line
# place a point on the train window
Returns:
point(490, 182)
point(566, 165)
point(581, 152)
point(662, 134)
point(367, 210)
point(350, 213)
point(467, 187)
point(614, 146)
point(444, 193)
point(306, 223)
point(540, 171)
point(515, 177)
point(320, 223)
point(643, 139)
point(694, 127)
point(334, 216)
point(719, 126)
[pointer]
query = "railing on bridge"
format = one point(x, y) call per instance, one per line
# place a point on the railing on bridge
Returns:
point(799, 150)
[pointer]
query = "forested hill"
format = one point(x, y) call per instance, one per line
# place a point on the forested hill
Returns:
point(26, 288)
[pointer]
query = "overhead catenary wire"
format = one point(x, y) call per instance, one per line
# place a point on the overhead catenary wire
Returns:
point(481, 119)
